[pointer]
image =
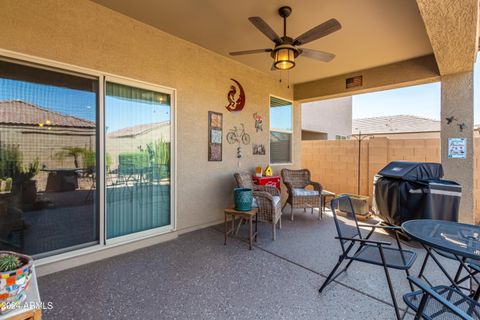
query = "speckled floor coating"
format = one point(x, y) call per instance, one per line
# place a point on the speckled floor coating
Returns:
point(197, 277)
point(311, 243)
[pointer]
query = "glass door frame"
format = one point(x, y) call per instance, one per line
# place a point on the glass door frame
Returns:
point(159, 230)
point(39, 62)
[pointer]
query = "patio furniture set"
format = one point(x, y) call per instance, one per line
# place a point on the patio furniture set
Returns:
point(460, 242)
point(267, 204)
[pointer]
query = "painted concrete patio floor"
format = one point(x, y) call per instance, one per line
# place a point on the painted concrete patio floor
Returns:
point(197, 277)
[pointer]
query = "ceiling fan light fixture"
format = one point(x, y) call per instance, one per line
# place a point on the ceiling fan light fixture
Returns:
point(284, 58)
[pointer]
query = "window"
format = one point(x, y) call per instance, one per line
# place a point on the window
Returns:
point(48, 157)
point(340, 137)
point(138, 126)
point(281, 131)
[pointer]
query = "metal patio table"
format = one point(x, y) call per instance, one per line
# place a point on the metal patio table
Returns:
point(458, 240)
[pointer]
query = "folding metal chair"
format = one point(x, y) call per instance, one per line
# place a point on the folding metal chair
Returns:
point(464, 264)
point(440, 302)
point(357, 248)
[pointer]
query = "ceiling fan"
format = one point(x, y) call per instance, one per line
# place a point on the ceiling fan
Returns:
point(286, 48)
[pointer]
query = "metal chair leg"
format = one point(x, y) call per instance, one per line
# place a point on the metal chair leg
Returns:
point(421, 307)
point(329, 278)
point(348, 264)
point(411, 285)
point(389, 281)
point(274, 232)
point(291, 212)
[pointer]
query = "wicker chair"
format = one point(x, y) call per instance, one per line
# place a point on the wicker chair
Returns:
point(266, 200)
point(298, 196)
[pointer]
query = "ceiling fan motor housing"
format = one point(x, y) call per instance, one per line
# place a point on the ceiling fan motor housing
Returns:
point(284, 11)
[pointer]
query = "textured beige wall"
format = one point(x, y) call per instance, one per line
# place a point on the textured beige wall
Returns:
point(452, 27)
point(401, 74)
point(85, 34)
point(457, 101)
point(333, 116)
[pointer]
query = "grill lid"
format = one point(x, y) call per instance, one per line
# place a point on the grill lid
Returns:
point(412, 171)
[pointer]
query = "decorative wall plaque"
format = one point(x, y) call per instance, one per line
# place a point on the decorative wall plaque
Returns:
point(215, 136)
point(235, 103)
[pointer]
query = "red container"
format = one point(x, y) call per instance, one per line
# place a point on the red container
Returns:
point(273, 181)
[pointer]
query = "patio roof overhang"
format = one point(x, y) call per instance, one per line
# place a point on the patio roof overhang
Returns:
point(374, 32)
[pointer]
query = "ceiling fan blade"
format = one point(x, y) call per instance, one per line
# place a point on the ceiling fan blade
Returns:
point(318, 32)
point(264, 28)
point(239, 53)
point(317, 55)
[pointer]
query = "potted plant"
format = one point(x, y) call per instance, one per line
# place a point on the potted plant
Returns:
point(15, 275)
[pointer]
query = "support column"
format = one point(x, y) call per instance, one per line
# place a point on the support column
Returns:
point(457, 102)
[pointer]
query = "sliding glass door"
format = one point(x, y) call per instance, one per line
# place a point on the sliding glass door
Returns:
point(138, 158)
point(48, 171)
point(84, 159)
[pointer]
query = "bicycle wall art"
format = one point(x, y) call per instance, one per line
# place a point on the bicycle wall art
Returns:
point(238, 135)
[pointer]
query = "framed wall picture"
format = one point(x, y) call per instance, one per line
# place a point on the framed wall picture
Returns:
point(215, 136)
point(258, 149)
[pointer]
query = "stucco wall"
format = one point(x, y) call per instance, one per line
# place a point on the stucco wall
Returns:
point(85, 34)
point(333, 116)
point(396, 75)
point(457, 101)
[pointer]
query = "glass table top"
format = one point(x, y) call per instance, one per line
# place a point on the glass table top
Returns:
point(457, 238)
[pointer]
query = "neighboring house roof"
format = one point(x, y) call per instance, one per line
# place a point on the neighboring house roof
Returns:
point(18, 112)
point(137, 130)
point(394, 124)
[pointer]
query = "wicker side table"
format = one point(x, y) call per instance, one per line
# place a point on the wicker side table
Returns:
point(248, 215)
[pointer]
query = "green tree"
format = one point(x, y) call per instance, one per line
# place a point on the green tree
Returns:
point(74, 152)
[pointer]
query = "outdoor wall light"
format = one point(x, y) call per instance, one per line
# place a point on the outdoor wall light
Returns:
point(284, 57)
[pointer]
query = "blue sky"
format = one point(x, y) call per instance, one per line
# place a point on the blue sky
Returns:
point(66, 101)
point(120, 113)
point(281, 118)
point(422, 101)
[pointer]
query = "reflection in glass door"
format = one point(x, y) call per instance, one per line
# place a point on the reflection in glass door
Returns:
point(48, 153)
point(138, 149)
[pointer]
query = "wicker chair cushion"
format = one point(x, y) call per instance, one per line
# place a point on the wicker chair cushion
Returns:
point(276, 200)
point(300, 192)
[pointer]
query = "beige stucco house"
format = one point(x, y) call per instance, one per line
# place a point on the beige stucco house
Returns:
point(327, 119)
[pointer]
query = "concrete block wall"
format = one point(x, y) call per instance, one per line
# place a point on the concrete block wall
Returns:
point(335, 163)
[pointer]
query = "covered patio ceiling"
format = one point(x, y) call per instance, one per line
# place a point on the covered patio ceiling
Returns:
point(374, 33)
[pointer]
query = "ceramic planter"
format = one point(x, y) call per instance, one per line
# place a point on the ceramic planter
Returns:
point(13, 283)
point(359, 203)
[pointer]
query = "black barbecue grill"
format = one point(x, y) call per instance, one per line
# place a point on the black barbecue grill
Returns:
point(415, 190)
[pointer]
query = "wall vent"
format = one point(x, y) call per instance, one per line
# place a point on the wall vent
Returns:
point(354, 82)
